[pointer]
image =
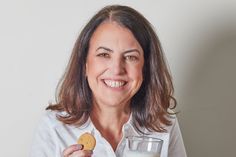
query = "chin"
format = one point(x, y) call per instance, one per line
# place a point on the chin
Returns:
point(114, 103)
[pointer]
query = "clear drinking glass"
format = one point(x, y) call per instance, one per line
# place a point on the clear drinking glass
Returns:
point(143, 146)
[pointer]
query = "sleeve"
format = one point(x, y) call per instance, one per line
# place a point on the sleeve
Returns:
point(176, 145)
point(44, 142)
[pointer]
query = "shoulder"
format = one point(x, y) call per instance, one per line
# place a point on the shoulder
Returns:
point(45, 140)
point(49, 119)
point(174, 123)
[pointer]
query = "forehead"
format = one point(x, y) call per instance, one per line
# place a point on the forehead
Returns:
point(111, 34)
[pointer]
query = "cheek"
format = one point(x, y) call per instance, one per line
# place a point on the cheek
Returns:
point(94, 68)
point(136, 73)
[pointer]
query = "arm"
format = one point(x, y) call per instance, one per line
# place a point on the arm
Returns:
point(176, 145)
point(43, 144)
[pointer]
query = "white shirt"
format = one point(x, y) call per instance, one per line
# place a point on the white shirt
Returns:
point(52, 137)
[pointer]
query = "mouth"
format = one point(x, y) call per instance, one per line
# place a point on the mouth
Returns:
point(114, 84)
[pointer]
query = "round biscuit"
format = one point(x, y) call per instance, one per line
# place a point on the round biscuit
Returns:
point(87, 140)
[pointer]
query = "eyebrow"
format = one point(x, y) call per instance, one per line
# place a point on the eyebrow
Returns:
point(133, 50)
point(110, 50)
point(104, 48)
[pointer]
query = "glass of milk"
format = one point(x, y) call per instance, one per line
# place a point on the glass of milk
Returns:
point(143, 146)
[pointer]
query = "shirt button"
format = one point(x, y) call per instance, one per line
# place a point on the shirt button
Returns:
point(126, 127)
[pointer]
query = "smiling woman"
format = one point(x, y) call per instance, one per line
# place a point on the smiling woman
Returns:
point(117, 84)
point(114, 65)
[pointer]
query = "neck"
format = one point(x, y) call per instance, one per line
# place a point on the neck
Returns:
point(109, 121)
point(110, 117)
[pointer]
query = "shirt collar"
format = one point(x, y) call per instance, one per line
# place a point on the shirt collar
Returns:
point(128, 128)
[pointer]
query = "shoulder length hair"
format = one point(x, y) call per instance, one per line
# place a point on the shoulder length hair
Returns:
point(149, 105)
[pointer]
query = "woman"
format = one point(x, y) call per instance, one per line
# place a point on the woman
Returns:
point(117, 84)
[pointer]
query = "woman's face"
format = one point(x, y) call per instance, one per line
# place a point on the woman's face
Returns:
point(114, 65)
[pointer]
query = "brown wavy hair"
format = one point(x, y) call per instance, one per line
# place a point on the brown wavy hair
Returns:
point(150, 105)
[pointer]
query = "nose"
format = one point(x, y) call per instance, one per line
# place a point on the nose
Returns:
point(117, 66)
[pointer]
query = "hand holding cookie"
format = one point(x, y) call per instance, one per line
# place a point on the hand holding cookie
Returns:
point(83, 148)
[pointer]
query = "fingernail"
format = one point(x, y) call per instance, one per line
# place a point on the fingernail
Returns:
point(80, 146)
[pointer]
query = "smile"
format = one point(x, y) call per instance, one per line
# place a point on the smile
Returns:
point(114, 84)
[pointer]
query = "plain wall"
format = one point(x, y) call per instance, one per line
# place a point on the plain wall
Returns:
point(198, 37)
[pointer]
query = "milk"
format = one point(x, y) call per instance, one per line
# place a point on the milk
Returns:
point(140, 154)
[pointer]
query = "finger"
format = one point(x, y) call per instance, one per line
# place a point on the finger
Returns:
point(72, 149)
point(82, 153)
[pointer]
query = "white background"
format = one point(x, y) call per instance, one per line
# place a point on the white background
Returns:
point(198, 37)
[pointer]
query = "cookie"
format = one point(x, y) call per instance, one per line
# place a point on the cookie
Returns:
point(87, 140)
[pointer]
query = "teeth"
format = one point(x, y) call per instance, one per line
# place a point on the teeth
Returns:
point(114, 84)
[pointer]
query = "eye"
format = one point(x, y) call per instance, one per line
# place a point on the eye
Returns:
point(131, 58)
point(103, 55)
